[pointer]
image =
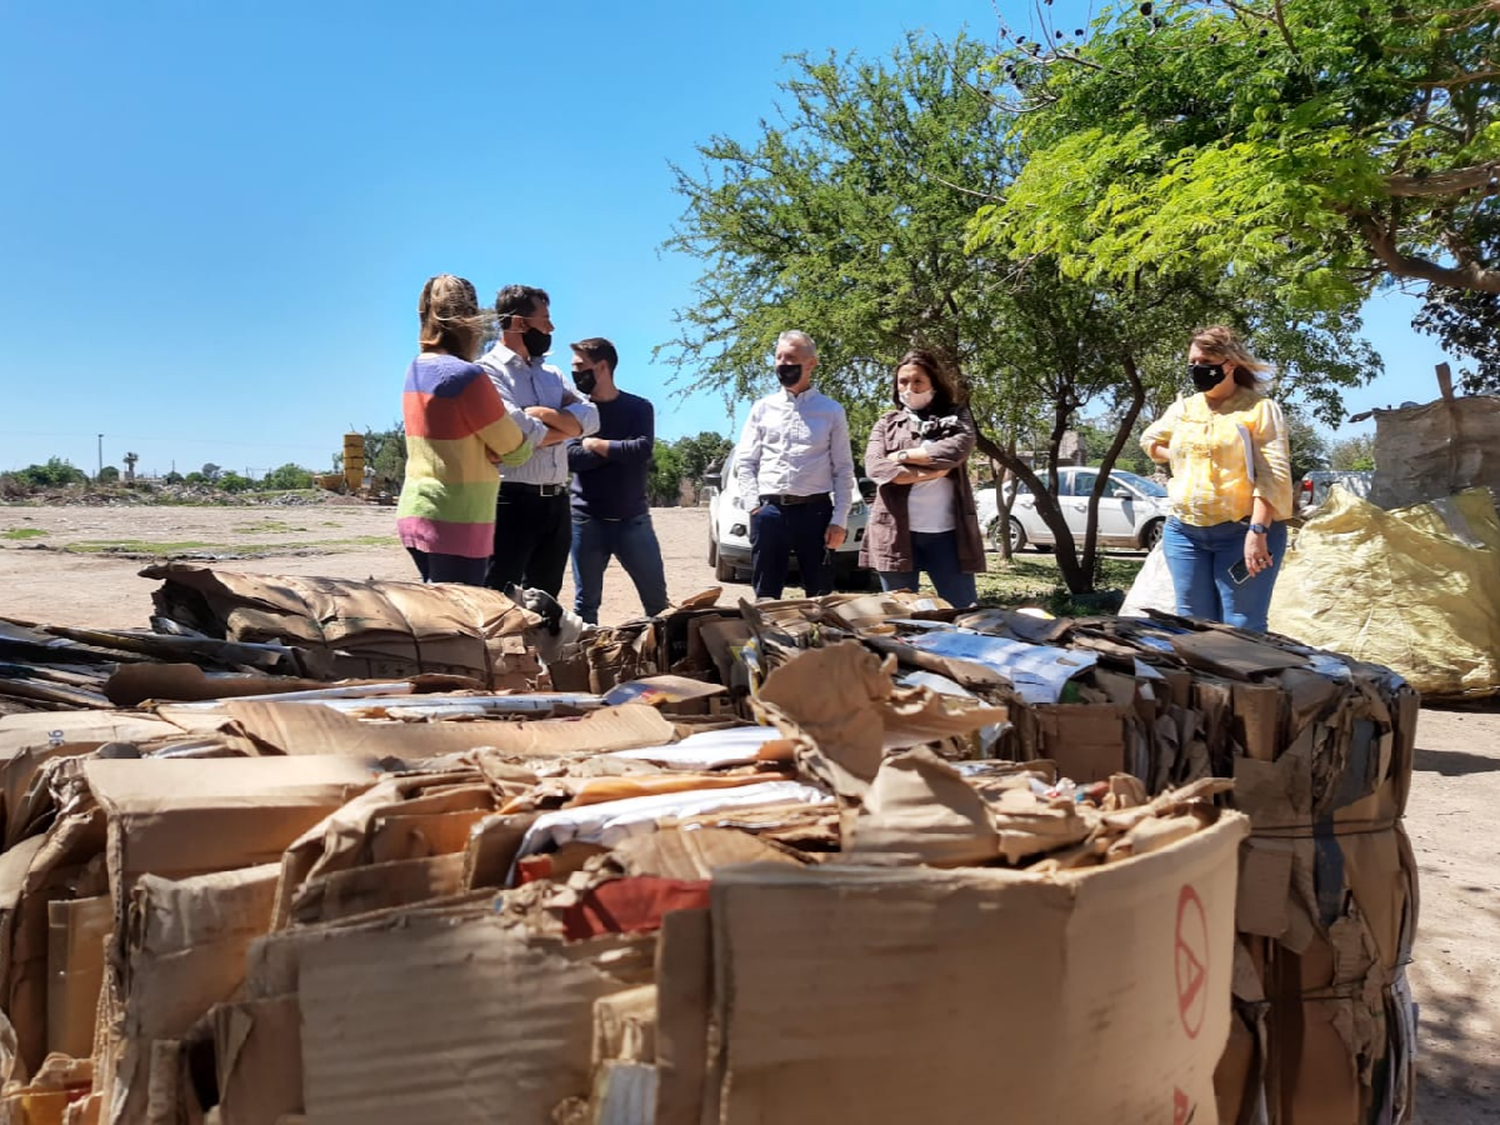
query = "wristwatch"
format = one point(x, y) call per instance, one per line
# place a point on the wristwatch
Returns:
point(1260, 528)
point(901, 455)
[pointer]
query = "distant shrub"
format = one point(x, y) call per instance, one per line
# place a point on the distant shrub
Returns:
point(56, 473)
point(288, 478)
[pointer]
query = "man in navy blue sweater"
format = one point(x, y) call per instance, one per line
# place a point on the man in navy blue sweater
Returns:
point(611, 505)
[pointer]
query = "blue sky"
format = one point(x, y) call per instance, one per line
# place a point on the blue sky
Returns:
point(217, 219)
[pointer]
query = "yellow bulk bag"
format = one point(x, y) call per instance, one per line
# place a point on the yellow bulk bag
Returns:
point(1416, 589)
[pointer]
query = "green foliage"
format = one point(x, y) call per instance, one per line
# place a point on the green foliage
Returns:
point(56, 473)
point(211, 472)
point(174, 477)
point(844, 219)
point(1353, 453)
point(110, 474)
point(696, 454)
point(195, 478)
point(1321, 144)
point(234, 482)
point(288, 477)
point(1309, 445)
point(385, 454)
point(665, 480)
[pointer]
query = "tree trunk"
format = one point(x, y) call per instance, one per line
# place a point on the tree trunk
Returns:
point(1089, 562)
point(1046, 506)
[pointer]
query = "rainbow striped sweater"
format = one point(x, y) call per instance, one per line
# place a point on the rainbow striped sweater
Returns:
point(456, 430)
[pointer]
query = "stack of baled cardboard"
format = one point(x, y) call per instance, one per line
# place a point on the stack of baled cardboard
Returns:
point(276, 912)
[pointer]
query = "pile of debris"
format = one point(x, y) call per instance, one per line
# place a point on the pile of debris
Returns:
point(859, 857)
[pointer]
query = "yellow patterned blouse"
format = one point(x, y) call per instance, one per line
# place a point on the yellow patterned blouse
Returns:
point(1223, 457)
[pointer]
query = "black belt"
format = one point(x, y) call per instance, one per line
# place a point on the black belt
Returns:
point(788, 500)
point(533, 489)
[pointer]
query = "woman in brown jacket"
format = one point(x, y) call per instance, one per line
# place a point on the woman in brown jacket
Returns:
point(923, 517)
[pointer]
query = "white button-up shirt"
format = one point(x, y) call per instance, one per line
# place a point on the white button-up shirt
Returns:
point(524, 383)
point(797, 445)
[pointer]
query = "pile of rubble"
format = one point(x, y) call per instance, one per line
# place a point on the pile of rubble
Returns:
point(867, 857)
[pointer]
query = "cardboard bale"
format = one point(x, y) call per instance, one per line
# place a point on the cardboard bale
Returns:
point(75, 972)
point(988, 984)
point(479, 1025)
point(258, 1053)
point(185, 951)
point(372, 630)
point(180, 818)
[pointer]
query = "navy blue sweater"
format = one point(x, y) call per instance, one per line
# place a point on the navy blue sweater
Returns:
point(614, 487)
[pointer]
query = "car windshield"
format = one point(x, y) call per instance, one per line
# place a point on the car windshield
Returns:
point(1139, 483)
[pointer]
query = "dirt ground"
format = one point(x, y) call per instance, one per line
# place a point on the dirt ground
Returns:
point(1452, 818)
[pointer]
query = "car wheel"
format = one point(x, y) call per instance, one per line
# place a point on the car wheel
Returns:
point(1152, 535)
point(1017, 535)
point(724, 571)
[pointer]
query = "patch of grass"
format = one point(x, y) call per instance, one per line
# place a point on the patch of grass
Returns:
point(1033, 579)
point(264, 527)
point(146, 547)
point(331, 523)
point(138, 546)
point(22, 533)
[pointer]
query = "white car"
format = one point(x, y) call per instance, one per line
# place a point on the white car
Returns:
point(1132, 511)
point(729, 531)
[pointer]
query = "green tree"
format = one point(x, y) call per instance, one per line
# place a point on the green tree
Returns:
point(212, 472)
point(1326, 143)
point(195, 477)
point(665, 480)
point(288, 477)
point(385, 455)
point(1309, 444)
point(173, 477)
point(56, 473)
point(1353, 453)
point(110, 474)
point(698, 453)
point(232, 481)
point(844, 220)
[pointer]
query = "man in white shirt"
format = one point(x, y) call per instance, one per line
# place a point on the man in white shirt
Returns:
point(793, 453)
point(533, 518)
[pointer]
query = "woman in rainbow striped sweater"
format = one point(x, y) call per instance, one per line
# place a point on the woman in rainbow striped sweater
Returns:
point(457, 431)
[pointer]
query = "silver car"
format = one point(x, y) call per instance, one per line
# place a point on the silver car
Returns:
point(1132, 511)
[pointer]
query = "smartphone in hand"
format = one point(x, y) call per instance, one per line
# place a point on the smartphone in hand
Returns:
point(1239, 572)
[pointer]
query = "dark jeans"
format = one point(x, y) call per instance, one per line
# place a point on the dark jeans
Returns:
point(449, 568)
point(1199, 559)
point(633, 542)
point(532, 536)
point(775, 532)
point(936, 552)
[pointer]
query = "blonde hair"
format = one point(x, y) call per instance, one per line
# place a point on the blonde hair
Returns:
point(450, 319)
point(1224, 343)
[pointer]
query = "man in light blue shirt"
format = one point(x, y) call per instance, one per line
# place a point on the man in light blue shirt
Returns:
point(793, 454)
point(533, 521)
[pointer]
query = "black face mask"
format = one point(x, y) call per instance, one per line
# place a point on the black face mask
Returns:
point(1206, 376)
point(586, 380)
point(537, 343)
point(790, 374)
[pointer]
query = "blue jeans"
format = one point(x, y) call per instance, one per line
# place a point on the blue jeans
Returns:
point(633, 542)
point(775, 532)
point(936, 552)
point(1199, 559)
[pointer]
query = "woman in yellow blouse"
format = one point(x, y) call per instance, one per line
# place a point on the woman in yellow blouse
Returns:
point(1231, 484)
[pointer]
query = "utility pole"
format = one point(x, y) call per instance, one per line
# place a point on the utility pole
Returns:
point(101, 457)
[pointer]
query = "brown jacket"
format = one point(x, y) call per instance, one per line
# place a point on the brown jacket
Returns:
point(887, 543)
